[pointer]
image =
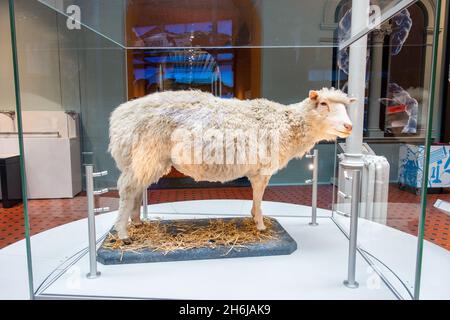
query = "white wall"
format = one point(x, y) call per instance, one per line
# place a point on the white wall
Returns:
point(48, 51)
point(38, 54)
point(104, 16)
point(48, 76)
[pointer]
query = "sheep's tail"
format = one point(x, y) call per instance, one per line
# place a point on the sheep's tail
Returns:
point(119, 137)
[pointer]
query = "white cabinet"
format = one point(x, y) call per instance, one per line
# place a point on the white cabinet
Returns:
point(52, 153)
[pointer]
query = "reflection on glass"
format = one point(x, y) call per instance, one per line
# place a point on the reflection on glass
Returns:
point(184, 35)
point(379, 11)
point(394, 79)
point(401, 110)
point(160, 70)
point(73, 79)
point(396, 105)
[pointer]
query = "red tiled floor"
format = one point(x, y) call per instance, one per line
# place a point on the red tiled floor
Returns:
point(403, 209)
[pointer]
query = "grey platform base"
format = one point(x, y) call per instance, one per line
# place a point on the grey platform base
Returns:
point(284, 245)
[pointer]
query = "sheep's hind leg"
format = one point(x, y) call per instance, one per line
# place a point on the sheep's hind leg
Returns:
point(259, 184)
point(136, 212)
point(131, 193)
point(128, 193)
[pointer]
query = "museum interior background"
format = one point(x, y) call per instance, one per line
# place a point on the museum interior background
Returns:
point(71, 80)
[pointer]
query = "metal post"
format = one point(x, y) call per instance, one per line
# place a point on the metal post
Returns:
point(355, 197)
point(145, 204)
point(93, 273)
point(314, 181)
point(220, 81)
point(357, 75)
point(354, 144)
point(90, 194)
point(161, 78)
point(216, 79)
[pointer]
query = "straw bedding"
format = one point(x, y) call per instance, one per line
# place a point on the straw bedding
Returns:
point(157, 235)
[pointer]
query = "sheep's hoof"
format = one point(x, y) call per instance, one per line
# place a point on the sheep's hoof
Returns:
point(127, 241)
point(138, 224)
point(261, 227)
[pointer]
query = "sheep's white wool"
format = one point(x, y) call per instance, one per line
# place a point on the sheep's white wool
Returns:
point(142, 139)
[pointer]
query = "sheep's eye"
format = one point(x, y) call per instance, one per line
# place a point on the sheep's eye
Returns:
point(325, 105)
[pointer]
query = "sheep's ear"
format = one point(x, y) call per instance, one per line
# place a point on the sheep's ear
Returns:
point(353, 100)
point(313, 95)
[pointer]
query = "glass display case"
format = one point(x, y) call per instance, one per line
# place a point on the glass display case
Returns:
point(357, 206)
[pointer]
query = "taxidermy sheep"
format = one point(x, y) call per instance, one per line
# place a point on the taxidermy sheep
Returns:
point(214, 139)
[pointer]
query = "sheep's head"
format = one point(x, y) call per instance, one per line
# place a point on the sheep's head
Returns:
point(331, 105)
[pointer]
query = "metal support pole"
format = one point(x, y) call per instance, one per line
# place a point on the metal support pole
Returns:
point(93, 273)
point(355, 197)
point(161, 78)
point(314, 181)
point(220, 81)
point(353, 158)
point(357, 76)
point(145, 204)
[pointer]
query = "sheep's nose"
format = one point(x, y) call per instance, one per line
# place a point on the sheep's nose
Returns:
point(348, 126)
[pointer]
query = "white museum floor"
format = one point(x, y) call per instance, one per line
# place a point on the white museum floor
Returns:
point(315, 271)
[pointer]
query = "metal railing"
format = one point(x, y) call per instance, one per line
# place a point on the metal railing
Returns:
point(90, 194)
point(314, 181)
point(355, 198)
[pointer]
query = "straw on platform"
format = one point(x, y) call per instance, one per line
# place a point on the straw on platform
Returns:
point(184, 235)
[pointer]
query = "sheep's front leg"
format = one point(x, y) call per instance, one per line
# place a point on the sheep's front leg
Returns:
point(259, 184)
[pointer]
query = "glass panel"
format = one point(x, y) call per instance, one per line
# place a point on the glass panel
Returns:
point(210, 24)
point(434, 264)
point(74, 76)
point(379, 11)
point(395, 129)
point(70, 82)
point(12, 218)
point(87, 13)
point(223, 24)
